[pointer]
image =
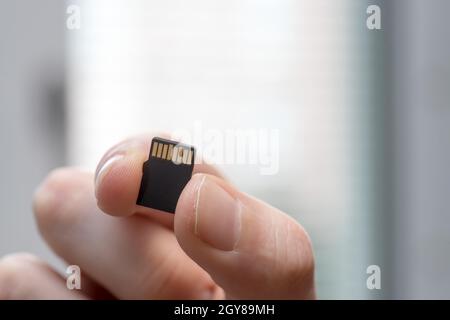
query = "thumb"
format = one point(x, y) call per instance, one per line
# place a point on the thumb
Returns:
point(250, 249)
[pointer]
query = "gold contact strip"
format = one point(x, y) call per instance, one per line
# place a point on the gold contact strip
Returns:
point(185, 156)
point(155, 146)
point(189, 161)
point(170, 152)
point(164, 153)
point(160, 146)
point(175, 154)
point(180, 155)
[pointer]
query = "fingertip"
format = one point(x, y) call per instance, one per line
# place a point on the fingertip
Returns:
point(117, 182)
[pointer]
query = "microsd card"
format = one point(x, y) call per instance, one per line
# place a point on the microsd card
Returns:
point(165, 174)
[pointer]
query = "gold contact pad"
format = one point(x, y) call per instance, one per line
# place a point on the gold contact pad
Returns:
point(176, 154)
point(170, 152)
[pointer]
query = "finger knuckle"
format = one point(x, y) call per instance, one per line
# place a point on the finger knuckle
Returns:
point(55, 199)
point(13, 269)
point(159, 282)
point(299, 266)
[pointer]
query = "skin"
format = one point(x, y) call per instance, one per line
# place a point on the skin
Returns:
point(220, 244)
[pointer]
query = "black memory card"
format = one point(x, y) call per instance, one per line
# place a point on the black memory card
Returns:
point(165, 174)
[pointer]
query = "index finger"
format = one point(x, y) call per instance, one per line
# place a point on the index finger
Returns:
point(118, 178)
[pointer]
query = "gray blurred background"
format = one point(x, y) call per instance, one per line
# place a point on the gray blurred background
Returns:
point(366, 115)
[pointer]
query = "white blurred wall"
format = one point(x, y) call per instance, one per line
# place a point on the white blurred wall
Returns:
point(293, 66)
point(32, 130)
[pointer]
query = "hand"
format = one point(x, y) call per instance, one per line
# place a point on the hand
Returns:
point(221, 243)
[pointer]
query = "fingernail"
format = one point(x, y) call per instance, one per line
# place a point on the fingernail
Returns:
point(217, 216)
point(106, 166)
point(115, 153)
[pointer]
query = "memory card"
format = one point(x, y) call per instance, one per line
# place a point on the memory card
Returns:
point(165, 174)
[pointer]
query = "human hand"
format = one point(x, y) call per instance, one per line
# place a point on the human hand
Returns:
point(221, 243)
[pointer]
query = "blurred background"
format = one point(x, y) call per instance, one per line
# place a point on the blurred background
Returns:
point(363, 116)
